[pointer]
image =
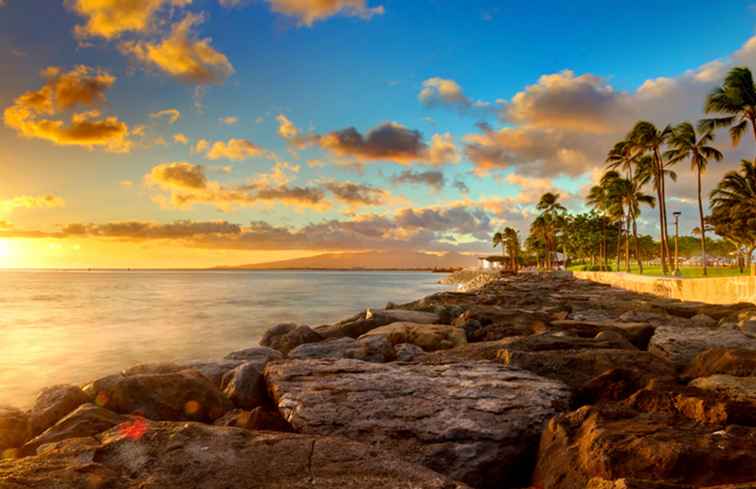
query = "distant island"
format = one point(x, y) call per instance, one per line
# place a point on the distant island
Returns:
point(373, 261)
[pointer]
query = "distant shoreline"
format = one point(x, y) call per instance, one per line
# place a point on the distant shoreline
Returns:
point(222, 269)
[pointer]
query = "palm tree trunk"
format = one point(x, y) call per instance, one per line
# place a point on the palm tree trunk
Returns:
point(604, 250)
point(637, 245)
point(703, 229)
point(627, 243)
point(619, 244)
point(664, 214)
point(661, 231)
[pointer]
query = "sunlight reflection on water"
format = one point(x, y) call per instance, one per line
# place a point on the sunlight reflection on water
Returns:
point(72, 327)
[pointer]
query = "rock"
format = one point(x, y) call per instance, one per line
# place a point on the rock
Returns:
point(407, 352)
point(52, 404)
point(475, 422)
point(286, 337)
point(370, 349)
point(615, 443)
point(638, 334)
point(748, 327)
point(704, 320)
point(577, 367)
point(214, 371)
point(611, 386)
point(259, 419)
point(403, 315)
point(681, 345)
point(245, 385)
point(87, 420)
point(429, 337)
point(729, 361)
point(184, 395)
point(367, 321)
point(736, 388)
point(260, 355)
point(191, 455)
point(616, 338)
point(471, 352)
point(14, 430)
point(491, 323)
point(550, 342)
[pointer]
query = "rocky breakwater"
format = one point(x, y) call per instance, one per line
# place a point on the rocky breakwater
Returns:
point(537, 381)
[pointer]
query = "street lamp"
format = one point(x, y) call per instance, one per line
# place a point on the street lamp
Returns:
point(677, 238)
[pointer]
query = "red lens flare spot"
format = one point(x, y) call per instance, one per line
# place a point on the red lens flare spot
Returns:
point(134, 430)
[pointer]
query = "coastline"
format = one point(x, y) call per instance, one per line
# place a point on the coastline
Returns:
point(516, 363)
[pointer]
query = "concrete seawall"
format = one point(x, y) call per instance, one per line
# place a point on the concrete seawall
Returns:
point(718, 290)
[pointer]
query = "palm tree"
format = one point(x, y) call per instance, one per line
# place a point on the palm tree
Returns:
point(646, 138)
point(551, 212)
point(631, 193)
point(615, 209)
point(736, 97)
point(498, 240)
point(512, 241)
point(622, 156)
point(687, 144)
point(598, 198)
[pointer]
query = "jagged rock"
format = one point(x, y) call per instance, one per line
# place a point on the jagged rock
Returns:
point(87, 420)
point(370, 349)
point(245, 385)
point(429, 337)
point(681, 345)
point(259, 419)
point(14, 428)
point(475, 421)
point(577, 367)
point(615, 443)
point(550, 342)
point(611, 386)
point(367, 321)
point(191, 455)
point(638, 334)
point(184, 395)
point(704, 320)
point(736, 388)
point(407, 352)
point(285, 337)
point(52, 404)
point(729, 361)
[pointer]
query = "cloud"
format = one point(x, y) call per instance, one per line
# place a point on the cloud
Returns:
point(233, 149)
point(461, 186)
point(145, 230)
point(171, 115)
point(38, 114)
point(30, 202)
point(182, 55)
point(355, 194)
point(433, 179)
point(286, 129)
point(307, 12)
point(229, 120)
point(441, 91)
point(110, 19)
point(181, 138)
point(443, 150)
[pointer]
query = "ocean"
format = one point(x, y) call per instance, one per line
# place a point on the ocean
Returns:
point(75, 326)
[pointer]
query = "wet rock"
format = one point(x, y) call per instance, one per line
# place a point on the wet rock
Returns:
point(429, 337)
point(191, 455)
point(681, 345)
point(615, 443)
point(407, 352)
point(52, 404)
point(729, 361)
point(370, 349)
point(14, 428)
point(286, 337)
point(245, 385)
point(474, 421)
point(259, 419)
point(184, 395)
point(87, 420)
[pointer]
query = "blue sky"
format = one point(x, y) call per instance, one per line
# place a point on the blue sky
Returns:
point(352, 67)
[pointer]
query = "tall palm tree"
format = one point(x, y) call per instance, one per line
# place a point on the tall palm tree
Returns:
point(613, 183)
point(737, 98)
point(622, 156)
point(551, 211)
point(686, 143)
point(598, 198)
point(630, 191)
point(646, 138)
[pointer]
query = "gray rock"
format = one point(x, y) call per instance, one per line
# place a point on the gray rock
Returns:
point(429, 337)
point(245, 385)
point(704, 320)
point(191, 455)
point(748, 327)
point(477, 422)
point(259, 354)
point(367, 321)
point(87, 420)
point(407, 352)
point(14, 428)
point(215, 371)
point(286, 337)
point(681, 345)
point(52, 404)
point(372, 349)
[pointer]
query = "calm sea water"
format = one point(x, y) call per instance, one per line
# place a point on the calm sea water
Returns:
point(72, 327)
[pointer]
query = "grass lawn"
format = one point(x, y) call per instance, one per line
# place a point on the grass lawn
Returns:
point(687, 271)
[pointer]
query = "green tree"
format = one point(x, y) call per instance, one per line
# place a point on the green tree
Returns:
point(686, 143)
point(736, 97)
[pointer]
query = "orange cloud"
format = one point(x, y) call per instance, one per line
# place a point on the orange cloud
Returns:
point(31, 202)
point(310, 11)
point(171, 115)
point(183, 56)
point(36, 114)
point(109, 19)
point(233, 149)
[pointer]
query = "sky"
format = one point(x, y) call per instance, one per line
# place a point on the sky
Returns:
point(198, 133)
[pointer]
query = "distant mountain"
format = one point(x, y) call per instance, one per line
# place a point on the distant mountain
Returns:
point(369, 260)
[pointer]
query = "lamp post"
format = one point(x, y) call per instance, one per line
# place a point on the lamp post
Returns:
point(677, 238)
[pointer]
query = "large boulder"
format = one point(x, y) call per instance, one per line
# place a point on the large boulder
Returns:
point(681, 345)
point(286, 337)
point(245, 385)
point(429, 337)
point(183, 395)
point(87, 420)
point(191, 455)
point(728, 361)
point(370, 319)
point(14, 428)
point(370, 349)
point(476, 422)
point(615, 442)
point(52, 404)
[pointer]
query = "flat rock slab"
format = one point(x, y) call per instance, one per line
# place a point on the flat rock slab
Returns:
point(736, 388)
point(476, 422)
point(429, 337)
point(681, 345)
point(191, 455)
point(371, 349)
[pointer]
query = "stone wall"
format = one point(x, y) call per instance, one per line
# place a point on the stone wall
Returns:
point(716, 290)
